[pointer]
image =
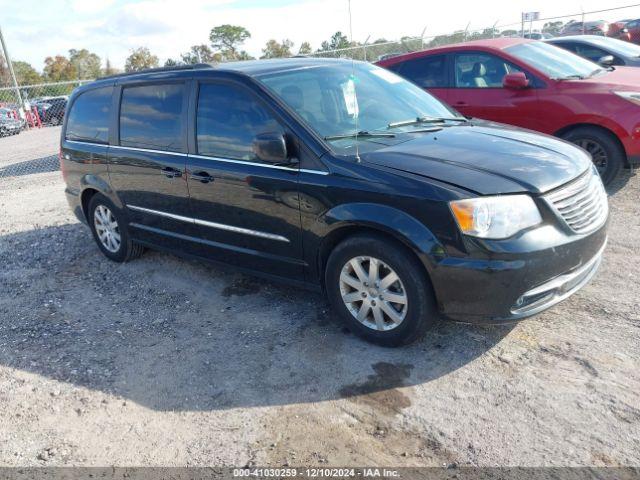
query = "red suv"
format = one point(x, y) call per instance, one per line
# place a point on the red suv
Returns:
point(537, 86)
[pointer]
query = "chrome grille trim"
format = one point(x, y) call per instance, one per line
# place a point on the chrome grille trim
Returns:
point(582, 204)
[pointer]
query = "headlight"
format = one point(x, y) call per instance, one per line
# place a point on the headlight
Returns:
point(631, 96)
point(495, 217)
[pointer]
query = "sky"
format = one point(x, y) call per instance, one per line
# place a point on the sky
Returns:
point(35, 29)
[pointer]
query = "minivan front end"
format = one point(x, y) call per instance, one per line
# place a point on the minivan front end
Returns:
point(505, 279)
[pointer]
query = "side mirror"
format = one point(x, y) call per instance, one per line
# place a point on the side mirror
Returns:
point(606, 61)
point(515, 81)
point(271, 148)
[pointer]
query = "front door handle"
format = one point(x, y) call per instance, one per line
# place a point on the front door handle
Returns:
point(202, 177)
point(171, 172)
point(461, 104)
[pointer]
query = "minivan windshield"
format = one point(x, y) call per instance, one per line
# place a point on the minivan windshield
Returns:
point(341, 99)
point(555, 62)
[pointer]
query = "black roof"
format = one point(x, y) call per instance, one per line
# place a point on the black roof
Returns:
point(258, 67)
point(247, 67)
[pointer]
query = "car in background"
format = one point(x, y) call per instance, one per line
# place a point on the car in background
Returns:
point(538, 86)
point(619, 30)
point(51, 110)
point(596, 27)
point(9, 125)
point(602, 50)
point(537, 35)
point(633, 28)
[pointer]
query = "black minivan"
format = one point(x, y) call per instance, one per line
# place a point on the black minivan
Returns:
point(339, 176)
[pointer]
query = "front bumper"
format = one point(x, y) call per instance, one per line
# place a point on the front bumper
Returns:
point(510, 285)
point(555, 290)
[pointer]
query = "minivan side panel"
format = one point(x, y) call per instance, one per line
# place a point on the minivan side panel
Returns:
point(150, 179)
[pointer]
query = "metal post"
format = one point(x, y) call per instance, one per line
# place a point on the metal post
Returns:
point(13, 75)
point(583, 26)
point(422, 38)
point(522, 24)
point(364, 47)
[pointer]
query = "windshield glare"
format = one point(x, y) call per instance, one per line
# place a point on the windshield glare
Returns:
point(617, 46)
point(343, 98)
point(555, 62)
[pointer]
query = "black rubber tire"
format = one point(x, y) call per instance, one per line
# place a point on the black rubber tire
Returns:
point(422, 312)
point(615, 153)
point(129, 250)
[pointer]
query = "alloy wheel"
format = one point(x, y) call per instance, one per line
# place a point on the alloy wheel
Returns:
point(107, 228)
point(373, 293)
point(598, 153)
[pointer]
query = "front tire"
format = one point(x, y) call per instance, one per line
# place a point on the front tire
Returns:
point(608, 156)
point(380, 290)
point(109, 228)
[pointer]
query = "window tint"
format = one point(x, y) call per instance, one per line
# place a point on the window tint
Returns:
point(151, 117)
point(481, 70)
point(228, 120)
point(591, 52)
point(426, 72)
point(89, 117)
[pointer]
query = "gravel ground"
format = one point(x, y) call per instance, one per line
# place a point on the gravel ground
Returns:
point(165, 361)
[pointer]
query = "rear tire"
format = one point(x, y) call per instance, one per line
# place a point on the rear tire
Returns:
point(109, 227)
point(608, 156)
point(388, 314)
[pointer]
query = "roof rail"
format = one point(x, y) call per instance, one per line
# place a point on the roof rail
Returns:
point(195, 66)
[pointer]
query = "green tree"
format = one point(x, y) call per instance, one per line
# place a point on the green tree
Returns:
point(337, 41)
point(59, 68)
point(273, 49)
point(305, 49)
point(170, 62)
point(227, 39)
point(25, 73)
point(553, 27)
point(140, 59)
point(200, 54)
point(86, 63)
point(244, 55)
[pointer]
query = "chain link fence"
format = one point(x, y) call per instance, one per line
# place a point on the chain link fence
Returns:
point(574, 24)
point(34, 106)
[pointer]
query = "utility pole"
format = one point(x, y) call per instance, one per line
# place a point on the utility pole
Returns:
point(13, 75)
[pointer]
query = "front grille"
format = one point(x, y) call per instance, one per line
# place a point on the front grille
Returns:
point(582, 204)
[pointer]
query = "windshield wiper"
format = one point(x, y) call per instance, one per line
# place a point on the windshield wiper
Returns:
point(362, 133)
point(417, 120)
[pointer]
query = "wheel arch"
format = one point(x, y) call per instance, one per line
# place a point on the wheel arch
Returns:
point(387, 222)
point(564, 130)
point(92, 184)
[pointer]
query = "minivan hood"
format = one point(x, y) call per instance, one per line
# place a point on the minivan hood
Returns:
point(487, 158)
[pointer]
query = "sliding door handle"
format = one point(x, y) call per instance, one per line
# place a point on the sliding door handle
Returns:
point(202, 177)
point(171, 172)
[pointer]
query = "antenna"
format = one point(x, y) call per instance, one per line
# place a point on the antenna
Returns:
point(353, 79)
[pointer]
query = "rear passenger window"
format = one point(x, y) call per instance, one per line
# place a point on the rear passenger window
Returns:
point(481, 70)
point(151, 117)
point(228, 120)
point(89, 116)
point(426, 72)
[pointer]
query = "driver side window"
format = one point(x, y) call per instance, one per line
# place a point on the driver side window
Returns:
point(228, 119)
point(481, 70)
